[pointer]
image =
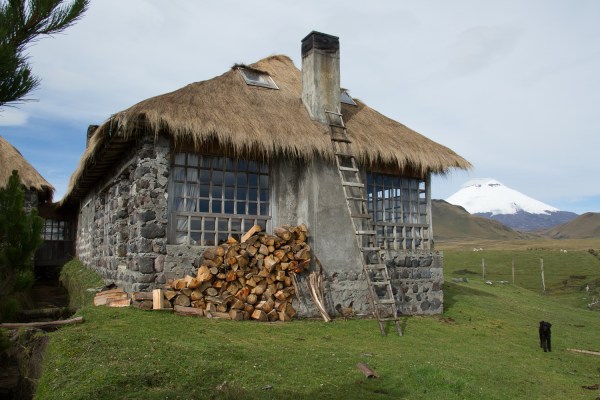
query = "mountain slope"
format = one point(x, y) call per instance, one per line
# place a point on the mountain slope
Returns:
point(583, 227)
point(491, 199)
point(454, 222)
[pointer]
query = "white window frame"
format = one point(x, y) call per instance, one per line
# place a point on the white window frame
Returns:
point(214, 197)
point(399, 208)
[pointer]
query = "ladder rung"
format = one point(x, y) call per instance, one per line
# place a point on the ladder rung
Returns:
point(336, 125)
point(366, 216)
point(352, 198)
point(339, 153)
point(390, 301)
point(349, 169)
point(333, 112)
point(379, 283)
point(370, 249)
point(390, 319)
point(341, 140)
point(353, 184)
point(366, 232)
point(375, 267)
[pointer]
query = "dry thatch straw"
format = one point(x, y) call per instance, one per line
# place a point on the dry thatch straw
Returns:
point(11, 159)
point(266, 123)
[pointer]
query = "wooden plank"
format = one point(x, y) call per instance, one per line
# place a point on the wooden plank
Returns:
point(119, 303)
point(157, 299)
point(139, 296)
point(188, 311)
point(103, 300)
point(252, 231)
point(593, 353)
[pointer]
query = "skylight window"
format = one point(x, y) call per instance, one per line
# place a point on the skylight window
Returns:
point(257, 78)
point(345, 98)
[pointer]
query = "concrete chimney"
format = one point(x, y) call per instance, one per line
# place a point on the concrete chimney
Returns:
point(320, 74)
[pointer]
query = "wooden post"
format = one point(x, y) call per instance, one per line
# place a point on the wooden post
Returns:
point(513, 270)
point(542, 267)
point(483, 268)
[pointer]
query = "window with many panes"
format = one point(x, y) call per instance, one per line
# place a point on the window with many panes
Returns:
point(398, 207)
point(57, 230)
point(216, 197)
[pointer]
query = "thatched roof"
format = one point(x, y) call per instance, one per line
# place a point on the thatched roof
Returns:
point(11, 159)
point(263, 122)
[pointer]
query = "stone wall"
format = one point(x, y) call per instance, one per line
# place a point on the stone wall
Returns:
point(123, 230)
point(122, 226)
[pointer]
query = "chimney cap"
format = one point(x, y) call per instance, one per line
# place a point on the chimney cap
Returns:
point(321, 41)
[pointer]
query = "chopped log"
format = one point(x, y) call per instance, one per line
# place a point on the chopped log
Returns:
point(219, 315)
point(194, 283)
point(283, 233)
point(42, 325)
point(284, 317)
point(211, 291)
point(259, 315)
point(231, 240)
point(210, 308)
point(119, 303)
point(251, 299)
point(272, 315)
point(237, 305)
point(236, 314)
point(252, 231)
point(196, 295)
point(143, 304)
point(249, 308)
point(109, 292)
point(102, 299)
point(168, 294)
point(181, 300)
point(369, 373)
point(242, 261)
point(140, 296)
point(264, 250)
point(210, 253)
point(186, 291)
point(211, 263)
point(178, 284)
point(188, 311)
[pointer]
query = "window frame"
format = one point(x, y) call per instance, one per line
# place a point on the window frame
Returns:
point(57, 230)
point(213, 212)
point(268, 81)
point(402, 220)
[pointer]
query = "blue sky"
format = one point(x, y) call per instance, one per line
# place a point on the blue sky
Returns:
point(512, 86)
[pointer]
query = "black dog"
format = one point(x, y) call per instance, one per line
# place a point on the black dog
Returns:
point(545, 335)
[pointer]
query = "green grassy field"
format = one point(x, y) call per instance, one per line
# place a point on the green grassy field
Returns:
point(485, 346)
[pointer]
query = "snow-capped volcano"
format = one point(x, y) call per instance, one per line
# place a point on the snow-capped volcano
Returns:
point(490, 198)
point(482, 196)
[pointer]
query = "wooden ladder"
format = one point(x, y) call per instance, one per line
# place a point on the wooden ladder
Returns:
point(372, 257)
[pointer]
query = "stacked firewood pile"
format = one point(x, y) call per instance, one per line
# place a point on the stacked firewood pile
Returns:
point(253, 278)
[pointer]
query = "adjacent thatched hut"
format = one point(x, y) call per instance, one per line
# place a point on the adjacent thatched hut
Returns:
point(38, 190)
point(187, 169)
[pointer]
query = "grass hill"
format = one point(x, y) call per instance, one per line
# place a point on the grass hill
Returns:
point(452, 222)
point(484, 346)
point(583, 227)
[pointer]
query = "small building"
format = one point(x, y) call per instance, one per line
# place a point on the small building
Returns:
point(58, 239)
point(175, 173)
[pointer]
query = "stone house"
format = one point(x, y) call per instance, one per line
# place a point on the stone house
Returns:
point(172, 174)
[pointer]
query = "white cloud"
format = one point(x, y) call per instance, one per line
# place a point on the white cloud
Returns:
point(12, 116)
